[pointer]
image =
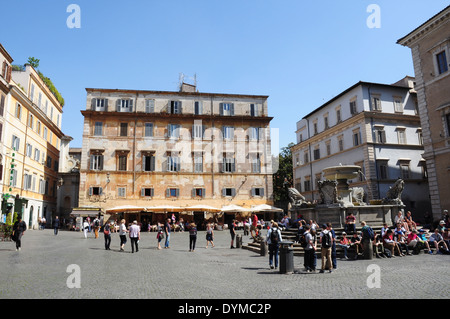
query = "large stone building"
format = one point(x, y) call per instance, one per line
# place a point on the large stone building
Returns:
point(371, 125)
point(182, 148)
point(430, 47)
point(31, 133)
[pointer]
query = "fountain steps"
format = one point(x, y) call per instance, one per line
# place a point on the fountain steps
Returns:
point(291, 235)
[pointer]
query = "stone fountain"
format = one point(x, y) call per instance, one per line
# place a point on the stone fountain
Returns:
point(341, 174)
point(338, 199)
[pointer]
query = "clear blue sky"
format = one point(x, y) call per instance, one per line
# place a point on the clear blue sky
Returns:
point(300, 53)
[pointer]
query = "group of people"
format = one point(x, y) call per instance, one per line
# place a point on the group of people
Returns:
point(162, 233)
point(400, 240)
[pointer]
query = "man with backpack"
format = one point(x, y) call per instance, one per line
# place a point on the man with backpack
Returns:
point(326, 241)
point(273, 240)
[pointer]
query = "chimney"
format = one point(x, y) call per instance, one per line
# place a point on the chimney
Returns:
point(185, 87)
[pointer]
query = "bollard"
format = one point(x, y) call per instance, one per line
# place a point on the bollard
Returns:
point(263, 248)
point(286, 258)
point(367, 249)
point(238, 241)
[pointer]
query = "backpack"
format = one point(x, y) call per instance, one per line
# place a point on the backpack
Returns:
point(97, 222)
point(302, 240)
point(274, 238)
point(326, 240)
point(369, 232)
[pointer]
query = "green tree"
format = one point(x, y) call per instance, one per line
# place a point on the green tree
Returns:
point(285, 170)
point(33, 62)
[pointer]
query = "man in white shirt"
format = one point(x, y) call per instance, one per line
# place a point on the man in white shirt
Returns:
point(135, 235)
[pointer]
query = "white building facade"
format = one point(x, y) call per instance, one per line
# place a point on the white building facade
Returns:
point(374, 126)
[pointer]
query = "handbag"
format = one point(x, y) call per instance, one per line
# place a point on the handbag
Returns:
point(106, 232)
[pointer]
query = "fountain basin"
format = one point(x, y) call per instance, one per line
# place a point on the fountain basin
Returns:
point(341, 172)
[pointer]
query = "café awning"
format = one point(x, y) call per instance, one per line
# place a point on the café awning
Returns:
point(266, 208)
point(125, 209)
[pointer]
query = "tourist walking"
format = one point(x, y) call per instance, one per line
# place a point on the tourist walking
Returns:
point(122, 234)
point(44, 221)
point(232, 228)
point(160, 235)
point(19, 229)
point(167, 233)
point(273, 241)
point(310, 250)
point(107, 235)
point(192, 236)
point(209, 235)
point(96, 226)
point(56, 225)
point(135, 236)
point(326, 243)
point(85, 228)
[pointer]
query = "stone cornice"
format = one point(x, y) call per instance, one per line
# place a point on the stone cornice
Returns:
point(429, 26)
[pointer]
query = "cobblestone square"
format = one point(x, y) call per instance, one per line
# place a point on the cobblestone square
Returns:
point(44, 266)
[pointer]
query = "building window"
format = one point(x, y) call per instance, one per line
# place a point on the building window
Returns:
point(380, 135)
point(228, 164)
point(382, 169)
point(306, 157)
point(307, 184)
point(175, 107)
point(37, 154)
point(398, 105)
point(97, 162)
point(123, 129)
point(173, 131)
point(99, 104)
point(404, 168)
point(122, 163)
point(18, 111)
point(38, 127)
point(198, 192)
point(96, 191)
point(45, 133)
point(149, 106)
point(341, 143)
point(420, 136)
point(226, 109)
point(173, 163)
point(148, 129)
point(27, 181)
point(328, 145)
point(172, 192)
point(325, 120)
point(29, 150)
point(376, 103)
point(49, 162)
point(353, 108)
point(121, 192)
point(148, 163)
point(228, 192)
point(356, 138)
point(13, 178)
point(441, 60)
point(256, 163)
point(2, 104)
point(30, 121)
point(147, 192)
point(198, 130)
point(338, 115)
point(257, 191)
point(228, 132)
point(198, 108)
point(253, 110)
point(401, 134)
point(316, 153)
point(198, 162)
point(15, 143)
point(125, 105)
point(254, 134)
point(316, 129)
point(98, 129)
